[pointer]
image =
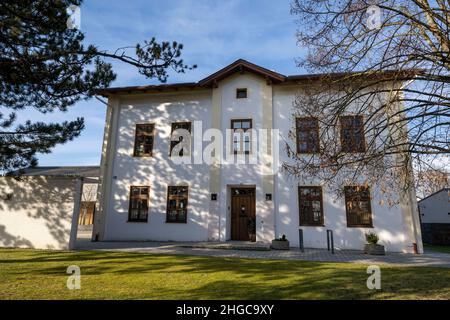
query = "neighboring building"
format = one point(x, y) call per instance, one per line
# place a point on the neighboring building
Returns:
point(435, 217)
point(39, 207)
point(147, 196)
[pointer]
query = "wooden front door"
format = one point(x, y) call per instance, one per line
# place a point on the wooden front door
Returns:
point(243, 214)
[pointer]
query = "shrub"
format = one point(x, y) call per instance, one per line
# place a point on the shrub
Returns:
point(372, 238)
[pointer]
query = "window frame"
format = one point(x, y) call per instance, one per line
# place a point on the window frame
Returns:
point(170, 197)
point(244, 130)
point(172, 143)
point(131, 198)
point(316, 130)
point(141, 155)
point(240, 90)
point(351, 147)
point(310, 222)
point(349, 197)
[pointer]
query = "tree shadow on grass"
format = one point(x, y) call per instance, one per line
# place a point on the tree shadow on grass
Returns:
point(233, 278)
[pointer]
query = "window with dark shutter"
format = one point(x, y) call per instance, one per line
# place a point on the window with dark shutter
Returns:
point(138, 209)
point(176, 126)
point(310, 206)
point(352, 134)
point(144, 138)
point(307, 129)
point(357, 206)
point(177, 201)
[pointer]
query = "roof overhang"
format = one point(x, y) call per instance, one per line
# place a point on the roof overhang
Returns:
point(242, 66)
point(63, 171)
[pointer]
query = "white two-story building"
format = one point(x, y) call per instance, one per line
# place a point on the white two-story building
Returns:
point(147, 194)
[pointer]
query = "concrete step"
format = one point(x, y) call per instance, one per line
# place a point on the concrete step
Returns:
point(231, 245)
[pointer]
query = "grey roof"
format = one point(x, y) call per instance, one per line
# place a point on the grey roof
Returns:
point(79, 171)
point(434, 193)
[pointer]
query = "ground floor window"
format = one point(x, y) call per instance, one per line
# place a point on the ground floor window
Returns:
point(138, 210)
point(310, 206)
point(357, 206)
point(177, 201)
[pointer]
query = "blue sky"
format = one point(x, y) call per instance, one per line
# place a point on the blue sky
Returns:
point(214, 34)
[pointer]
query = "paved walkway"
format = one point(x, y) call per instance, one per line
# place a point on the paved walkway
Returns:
point(202, 249)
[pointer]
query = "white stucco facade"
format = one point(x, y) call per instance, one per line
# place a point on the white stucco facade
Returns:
point(39, 211)
point(158, 171)
point(269, 106)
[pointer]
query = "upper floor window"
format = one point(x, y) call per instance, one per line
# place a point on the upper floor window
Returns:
point(138, 209)
point(352, 134)
point(357, 206)
point(177, 201)
point(241, 135)
point(180, 134)
point(307, 135)
point(310, 206)
point(143, 142)
point(241, 93)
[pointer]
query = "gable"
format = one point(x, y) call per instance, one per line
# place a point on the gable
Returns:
point(241, 66)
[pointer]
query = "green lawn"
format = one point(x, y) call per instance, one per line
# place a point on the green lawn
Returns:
point(37, 274)
point(437, 248)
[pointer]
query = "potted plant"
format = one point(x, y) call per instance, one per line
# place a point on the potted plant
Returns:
point(281, 243)
point(372, 246)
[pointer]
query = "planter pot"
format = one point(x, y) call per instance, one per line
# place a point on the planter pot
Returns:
point(280, 245)
point(374, 249)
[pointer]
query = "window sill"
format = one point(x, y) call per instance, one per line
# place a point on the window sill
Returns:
point(176, 222)
point(353, 152)
point(308, 153)
point(361, 226)
point(143, 156)
point(137, 221)
point(241, 153)
point(312, 225)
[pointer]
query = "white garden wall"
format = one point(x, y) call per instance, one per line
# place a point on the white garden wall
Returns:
point(37, 211)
